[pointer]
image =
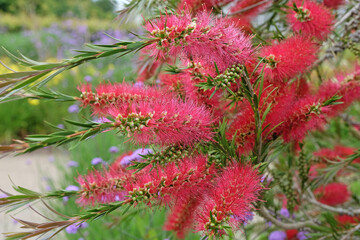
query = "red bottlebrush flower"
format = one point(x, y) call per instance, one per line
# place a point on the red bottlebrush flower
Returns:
point(311, 18)
point(182, 36)
point(314, 170)
point(347, 220)
point(242, 23)
point(244, 127)
point(166, 185)
point(230, 199)
point(303, 116)
point(256, 8)
point(291, 234)
point(182, 215)
point(172, 182)
point(106, 187)
point(333, 3)
point(196, 5)
point(347, 86)
point(288, 58)
point(109, 95)
point(332, 194)
point(337, 154)
point(164, 122)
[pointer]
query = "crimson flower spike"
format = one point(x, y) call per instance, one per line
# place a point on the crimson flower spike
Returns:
point(107, 95)
point(163, 121)
point(163, 185)
point(230, 200)
point(288, 58)
point(311, 19)
point(195, 38)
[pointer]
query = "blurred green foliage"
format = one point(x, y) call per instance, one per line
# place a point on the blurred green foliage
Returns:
point(64, 8)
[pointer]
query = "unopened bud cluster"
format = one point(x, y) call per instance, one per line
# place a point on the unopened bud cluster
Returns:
point(173, 35)
point(302, 14)
point(216, 223)
point(133, 122)
point(303, 166)
point(230, 75)
point(142, 194)
point(170, 154)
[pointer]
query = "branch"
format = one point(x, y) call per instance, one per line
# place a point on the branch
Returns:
point(348, 235)
point(355, 10)
point(263, 212)
point(248, 8)
point(313, 200)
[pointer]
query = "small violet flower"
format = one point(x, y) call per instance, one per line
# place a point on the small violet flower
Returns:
point(113, 149)
point(97, 161)
point(73, 228)
point(73, 108)
point(277, 235)
point(72, 188)
point(88, 78)
point(135, 156)
point(302, 235)
point(3, 195)
point(72, 163)
point(284, 212)
point(51, 159)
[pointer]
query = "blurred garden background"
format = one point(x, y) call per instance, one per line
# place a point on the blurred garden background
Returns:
point(48, 31)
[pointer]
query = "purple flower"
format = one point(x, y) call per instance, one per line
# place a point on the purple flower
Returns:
point(3, 195)
point(61, 126)
point(72, 188)
point(100, 120)
point(284, 212)
point(73, 228)
point(48, 188)
point(277, 235)
point(73, 108)
point(126, 160)
point(96, 161)
point(28, 161)
point(135, 156)
point(88, 78)
point(109, 73)
point(139, 84)
point(302, 235)
point(141, 151)
point(72, 163)
point(51, 159)
point(113, 149)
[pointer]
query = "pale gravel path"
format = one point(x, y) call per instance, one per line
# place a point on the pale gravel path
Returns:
point(27, 171)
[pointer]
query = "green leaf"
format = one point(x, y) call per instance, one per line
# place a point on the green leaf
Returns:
point(355, 188)
point(16, 75)
point(47, 66)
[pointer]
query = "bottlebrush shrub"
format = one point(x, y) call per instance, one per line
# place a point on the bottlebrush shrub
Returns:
point(288, 58)
point(230, 125)
point(311, 19)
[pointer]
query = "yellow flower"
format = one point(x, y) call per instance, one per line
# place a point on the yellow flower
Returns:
point(34, 102)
